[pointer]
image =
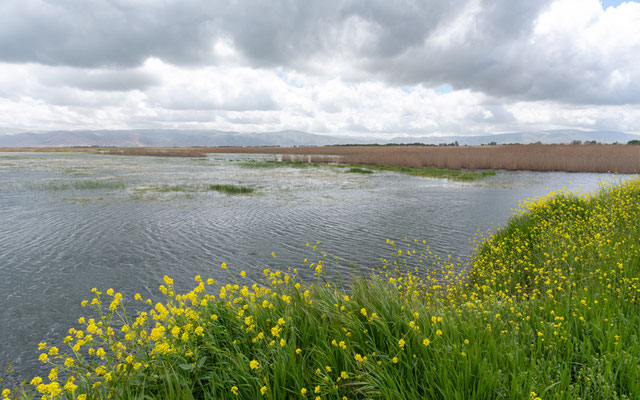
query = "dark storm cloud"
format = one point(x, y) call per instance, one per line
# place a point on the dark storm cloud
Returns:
point(482, 45)
point(93, 33)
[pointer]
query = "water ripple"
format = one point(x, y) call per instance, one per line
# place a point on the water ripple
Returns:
point(56, 245)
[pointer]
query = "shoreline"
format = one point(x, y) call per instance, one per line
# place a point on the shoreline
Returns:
point(552, 298)
point(615, 158)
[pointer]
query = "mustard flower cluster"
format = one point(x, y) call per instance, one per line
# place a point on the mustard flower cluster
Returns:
point(547, 307)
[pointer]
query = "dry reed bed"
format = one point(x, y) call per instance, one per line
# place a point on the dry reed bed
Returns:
point(570, 158)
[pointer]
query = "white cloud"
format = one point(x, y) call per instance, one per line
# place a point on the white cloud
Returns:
point(344, 68)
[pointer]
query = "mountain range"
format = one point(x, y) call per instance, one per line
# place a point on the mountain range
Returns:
point(190, 138)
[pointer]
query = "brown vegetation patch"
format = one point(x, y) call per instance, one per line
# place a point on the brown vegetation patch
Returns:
point(534, 157)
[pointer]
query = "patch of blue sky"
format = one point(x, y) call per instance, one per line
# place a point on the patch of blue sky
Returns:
point(613, 3)
point(444, 89)
point(288, 80)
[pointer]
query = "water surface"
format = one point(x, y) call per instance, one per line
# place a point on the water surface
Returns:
point(57, 241)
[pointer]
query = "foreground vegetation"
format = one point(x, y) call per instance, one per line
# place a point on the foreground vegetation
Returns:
point(549, 310)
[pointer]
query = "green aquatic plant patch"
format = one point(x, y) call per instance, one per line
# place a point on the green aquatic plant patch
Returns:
point(453, 174)
point(549, 309)
point(192, 188)
point(84, 184)
point(359, 171)
point(231, 189)
point(177, 188)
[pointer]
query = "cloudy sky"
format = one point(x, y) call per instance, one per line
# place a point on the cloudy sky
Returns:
point(431, 67)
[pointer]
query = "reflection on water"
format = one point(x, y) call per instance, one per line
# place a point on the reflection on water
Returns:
point(71, 222)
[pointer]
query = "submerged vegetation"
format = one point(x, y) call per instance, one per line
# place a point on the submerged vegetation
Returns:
point(89, 184)
point(231, 189)
point(359, 171)
point(453, 174)
point(84, 184)
point(188, 191)
point(224, 188)
point(549, 309)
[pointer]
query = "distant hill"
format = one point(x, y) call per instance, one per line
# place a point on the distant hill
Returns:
point(167, 138)
point(546, 137)
point(188, 138)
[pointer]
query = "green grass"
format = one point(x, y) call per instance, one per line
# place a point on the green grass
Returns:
point(359, 171)
point(193, 188)
point(550, 309)
point(453, 174)
point(231, 189)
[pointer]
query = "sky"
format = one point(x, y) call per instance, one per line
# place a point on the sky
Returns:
point(342, 67)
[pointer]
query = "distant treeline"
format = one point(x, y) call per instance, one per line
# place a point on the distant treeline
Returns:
point(398, 144)
point(574, 142)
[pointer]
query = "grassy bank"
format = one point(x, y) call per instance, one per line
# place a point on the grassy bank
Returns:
point(550, 309)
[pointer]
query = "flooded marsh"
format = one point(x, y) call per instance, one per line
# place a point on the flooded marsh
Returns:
point(71, 222)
